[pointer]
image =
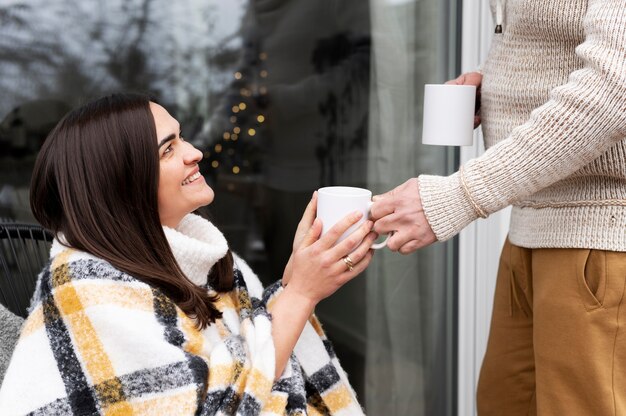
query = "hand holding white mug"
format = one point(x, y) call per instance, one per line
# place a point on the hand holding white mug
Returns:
point(449, 111)
point(471, 78)
point(362, 238)
point(401, 210)
point(321, 263)
point(335, 202)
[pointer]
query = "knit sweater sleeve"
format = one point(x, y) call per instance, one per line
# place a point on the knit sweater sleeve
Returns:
point(582, 119)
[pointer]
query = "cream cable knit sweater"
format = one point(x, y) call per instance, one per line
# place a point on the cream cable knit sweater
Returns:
point(554, 121)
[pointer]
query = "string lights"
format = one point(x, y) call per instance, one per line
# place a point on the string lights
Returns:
point(247, 119)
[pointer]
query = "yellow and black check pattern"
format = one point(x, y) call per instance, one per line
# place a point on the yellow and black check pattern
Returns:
point(99, 341)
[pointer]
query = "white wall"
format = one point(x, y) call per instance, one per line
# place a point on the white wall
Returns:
point(481, 242)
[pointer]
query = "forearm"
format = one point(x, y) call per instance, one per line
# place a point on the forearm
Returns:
point(288, 271)
point(290, 312)
point(582, 119)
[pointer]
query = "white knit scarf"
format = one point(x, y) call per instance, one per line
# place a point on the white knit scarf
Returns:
point(197, 245)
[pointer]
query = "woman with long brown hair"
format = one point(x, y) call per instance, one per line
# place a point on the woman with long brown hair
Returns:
point(143, 309)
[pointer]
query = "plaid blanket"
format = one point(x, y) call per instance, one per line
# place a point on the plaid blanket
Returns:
point(98, 341)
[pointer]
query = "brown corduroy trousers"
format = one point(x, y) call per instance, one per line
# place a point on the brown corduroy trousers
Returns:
point(557, 343)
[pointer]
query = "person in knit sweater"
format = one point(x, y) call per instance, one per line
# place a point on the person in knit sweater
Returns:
point(143, 309)
point(553, 112)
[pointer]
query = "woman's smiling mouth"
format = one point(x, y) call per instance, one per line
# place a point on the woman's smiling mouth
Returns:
point(191, 178)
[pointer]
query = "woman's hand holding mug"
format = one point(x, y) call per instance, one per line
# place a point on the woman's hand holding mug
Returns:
point(321, 264)
point(335, 202)
point(332, 259)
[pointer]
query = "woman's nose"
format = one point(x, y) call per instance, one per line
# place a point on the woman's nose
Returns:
point(192, 155)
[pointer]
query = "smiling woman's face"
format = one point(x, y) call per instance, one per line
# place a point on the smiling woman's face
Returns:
point(182, 189)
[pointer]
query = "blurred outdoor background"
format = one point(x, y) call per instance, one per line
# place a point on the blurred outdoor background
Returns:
point(283, 97)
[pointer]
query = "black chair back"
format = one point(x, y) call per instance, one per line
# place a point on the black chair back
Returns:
point(24, 250)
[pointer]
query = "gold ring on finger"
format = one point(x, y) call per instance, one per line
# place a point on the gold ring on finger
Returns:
point(348, 262)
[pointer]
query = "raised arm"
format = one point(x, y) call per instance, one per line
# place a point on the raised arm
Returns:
point(315, 271)
point(582, 119)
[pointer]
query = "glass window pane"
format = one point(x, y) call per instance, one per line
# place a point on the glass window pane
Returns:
point(283, 97)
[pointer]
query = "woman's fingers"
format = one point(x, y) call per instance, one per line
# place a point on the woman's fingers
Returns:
point(357, 269)
point(318, 270)
point(309, 212)
point(305, 222)
point(356, 255)
point(354, 239)
point(313, 234)
point(331, 237)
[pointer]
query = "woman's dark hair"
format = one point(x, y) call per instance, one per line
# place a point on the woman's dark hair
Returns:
point(96, 181)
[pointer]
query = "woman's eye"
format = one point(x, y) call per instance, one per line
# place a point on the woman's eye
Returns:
point(167, 150)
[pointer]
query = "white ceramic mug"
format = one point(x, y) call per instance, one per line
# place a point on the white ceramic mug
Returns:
point(335, 202)
point(449, 114)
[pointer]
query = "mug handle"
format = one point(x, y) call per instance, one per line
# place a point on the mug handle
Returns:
point(382, 244)
point(377, 246)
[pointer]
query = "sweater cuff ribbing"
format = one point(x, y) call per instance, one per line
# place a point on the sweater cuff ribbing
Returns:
point(446, 206)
